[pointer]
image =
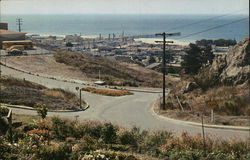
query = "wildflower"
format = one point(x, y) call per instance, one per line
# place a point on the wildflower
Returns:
point(34, 146)
point(75, 148)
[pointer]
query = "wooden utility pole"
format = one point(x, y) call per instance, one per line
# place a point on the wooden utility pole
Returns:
point(164, 62)
point(19, 23)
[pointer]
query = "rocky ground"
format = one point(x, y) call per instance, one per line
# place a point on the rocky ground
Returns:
point(222, 87)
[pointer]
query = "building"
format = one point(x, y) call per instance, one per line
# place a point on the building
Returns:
point(6, 35)
point(3, 26)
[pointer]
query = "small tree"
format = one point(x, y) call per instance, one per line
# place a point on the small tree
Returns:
point(108, 133)
point(69, 44)
point(151, 60)
point(196, 57)
point(41, 110)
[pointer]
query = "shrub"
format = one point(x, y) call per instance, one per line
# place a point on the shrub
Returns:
point(127, 138)
point(57, 152)
point(205, 79)
point(108, 133)
point(3, 126)
point(59, 128)
point(4, 111)
point(41, 110)
point(153, 142)
point(232, 106)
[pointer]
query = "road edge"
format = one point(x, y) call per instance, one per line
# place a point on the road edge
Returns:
point(30, 108)
point(195, 123)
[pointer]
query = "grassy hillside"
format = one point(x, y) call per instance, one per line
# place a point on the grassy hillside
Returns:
point(22, 92)
point(59, 139)
point(112, 72)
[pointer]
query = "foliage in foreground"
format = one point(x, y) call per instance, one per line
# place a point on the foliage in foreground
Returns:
point(58, 138)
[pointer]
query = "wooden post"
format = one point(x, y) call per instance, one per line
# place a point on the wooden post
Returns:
point(203, 133)
point(9, 117)
point(80, 98)
point(212, 115)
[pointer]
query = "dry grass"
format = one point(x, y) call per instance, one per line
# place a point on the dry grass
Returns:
point(21, 92)
point(107, 92)
point(116, 73)
point(9, 81)
point(54, 93)
point(231, 104)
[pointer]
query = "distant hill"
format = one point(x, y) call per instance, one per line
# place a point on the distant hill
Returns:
point(112, 72)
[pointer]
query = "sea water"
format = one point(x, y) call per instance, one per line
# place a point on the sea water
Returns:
point(93, 25)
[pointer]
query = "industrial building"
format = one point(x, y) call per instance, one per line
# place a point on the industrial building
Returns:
point(3, 26)
point(6, 35)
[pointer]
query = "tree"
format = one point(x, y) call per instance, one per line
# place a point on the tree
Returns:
point(41, 110)
point(151, 60)
point(196, 57)
point(69, 44)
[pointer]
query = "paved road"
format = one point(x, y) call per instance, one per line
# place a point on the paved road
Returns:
point(128, 111)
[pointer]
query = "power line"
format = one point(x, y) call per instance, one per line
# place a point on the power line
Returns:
point(212, 28)
point(204, 20)
point(19, 23)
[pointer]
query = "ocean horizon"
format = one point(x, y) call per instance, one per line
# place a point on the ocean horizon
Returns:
point(92, 25)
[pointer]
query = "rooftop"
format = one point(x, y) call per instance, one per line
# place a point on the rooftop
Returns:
point(5, 32)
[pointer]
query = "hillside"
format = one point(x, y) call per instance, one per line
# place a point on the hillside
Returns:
point(22, 92)
point(222, 87)
point(114, 73)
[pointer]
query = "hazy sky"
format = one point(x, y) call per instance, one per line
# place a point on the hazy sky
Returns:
point(123, 6)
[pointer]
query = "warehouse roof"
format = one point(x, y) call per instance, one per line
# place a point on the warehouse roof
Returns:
point(10, 32)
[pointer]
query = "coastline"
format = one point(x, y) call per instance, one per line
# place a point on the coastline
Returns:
point(145, 40)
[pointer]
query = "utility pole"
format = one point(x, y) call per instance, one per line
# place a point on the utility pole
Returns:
point(80, 96)
point(109, 37)
point(19, 23)
point(164, 62)
point(100, 36)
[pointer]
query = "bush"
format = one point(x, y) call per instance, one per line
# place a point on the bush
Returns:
point(59, 128)
point(3, 126)
point(4, 111)
point(108, 133)
point(232, 106)
point(57, 152)
point(41, 110)
point(205, 79)
point(127, 138)
point(153, 142)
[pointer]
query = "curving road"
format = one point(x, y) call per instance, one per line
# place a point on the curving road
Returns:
point(128, 111)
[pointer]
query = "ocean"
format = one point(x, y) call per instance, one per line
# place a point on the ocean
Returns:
point(93, 25)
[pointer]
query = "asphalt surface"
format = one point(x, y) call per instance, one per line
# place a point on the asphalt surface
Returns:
point(127, 111)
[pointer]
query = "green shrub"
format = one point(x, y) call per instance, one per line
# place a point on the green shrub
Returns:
point(3, 126)
point(59, 128)
point(41, 110)
point(57, 152)
point(230, 107)
point(4, 111)
point(127, 138)
point(108, 133)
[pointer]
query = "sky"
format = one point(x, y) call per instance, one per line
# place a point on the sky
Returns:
point(124, 6)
